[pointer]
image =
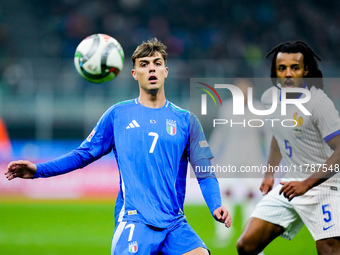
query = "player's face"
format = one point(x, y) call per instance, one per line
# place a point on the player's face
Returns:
point(290, 69)
point(150, 72)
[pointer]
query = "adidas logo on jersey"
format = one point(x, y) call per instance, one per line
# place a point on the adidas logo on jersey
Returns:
point(133, 124)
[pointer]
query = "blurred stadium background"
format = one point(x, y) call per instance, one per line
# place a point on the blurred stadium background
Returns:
point(49, 109)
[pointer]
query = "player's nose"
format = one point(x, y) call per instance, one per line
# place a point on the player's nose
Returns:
point(289, 73)
point(152, 68)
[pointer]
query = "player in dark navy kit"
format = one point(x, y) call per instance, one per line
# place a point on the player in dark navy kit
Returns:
point(152, 140)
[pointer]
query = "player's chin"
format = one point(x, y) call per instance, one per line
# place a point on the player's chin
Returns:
point(289, 84)
point(154, 86)
point(155, 83)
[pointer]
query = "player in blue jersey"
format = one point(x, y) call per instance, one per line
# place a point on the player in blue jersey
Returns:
point(303, 197)
point(152, 140)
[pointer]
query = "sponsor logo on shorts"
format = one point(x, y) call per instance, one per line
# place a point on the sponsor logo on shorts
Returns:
point(324, 229)
point(133, 247)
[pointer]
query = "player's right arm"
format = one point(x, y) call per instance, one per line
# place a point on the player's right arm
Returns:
point(21, 168)
point(99, 143)
point(298, 188)
point(76, 159)
point(273, 160)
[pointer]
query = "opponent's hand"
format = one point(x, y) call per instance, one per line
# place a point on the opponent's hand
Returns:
point(293, 189)
point(222, 215)
point(21, 168)
point(267, 185)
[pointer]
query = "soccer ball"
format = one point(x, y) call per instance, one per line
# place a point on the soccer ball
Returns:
point(99, 58)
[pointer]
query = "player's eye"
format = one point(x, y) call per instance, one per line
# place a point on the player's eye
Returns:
point(281, 68)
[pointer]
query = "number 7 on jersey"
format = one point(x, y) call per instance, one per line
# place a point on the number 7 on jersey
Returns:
point(155, 135)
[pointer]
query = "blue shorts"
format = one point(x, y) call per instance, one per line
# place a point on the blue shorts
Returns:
point(136, 237)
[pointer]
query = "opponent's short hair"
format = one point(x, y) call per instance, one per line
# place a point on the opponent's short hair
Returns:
point(149, 48)
point(309, 59)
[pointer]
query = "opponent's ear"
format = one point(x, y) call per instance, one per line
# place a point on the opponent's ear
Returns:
point(306, 71)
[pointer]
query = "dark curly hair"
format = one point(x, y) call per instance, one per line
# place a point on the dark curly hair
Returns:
point(314, 75)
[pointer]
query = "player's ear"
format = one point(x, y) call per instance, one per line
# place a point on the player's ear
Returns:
point(134, 74)
point(166, 71)
point(306, 71)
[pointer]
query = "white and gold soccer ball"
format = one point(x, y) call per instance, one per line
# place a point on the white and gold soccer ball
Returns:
point(99, 58)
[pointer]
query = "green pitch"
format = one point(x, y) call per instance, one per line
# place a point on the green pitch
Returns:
point(83, 227)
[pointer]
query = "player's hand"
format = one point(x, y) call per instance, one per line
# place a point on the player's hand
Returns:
point(267, 185)
point(293, 189)
point(22, 169)
point(222, 215)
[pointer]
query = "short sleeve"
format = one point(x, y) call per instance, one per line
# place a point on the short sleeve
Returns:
point(326, 117)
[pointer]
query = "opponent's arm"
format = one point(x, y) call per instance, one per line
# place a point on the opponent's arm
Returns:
point(273, 160)
point(296, 188)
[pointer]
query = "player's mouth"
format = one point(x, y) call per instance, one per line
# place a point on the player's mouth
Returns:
point(289, 83)
point(152, 79)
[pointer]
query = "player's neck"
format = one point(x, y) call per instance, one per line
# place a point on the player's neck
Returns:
point(152, 100)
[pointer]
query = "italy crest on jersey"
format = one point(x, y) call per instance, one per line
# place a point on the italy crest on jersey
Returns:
point(171, 127)
point(133, 247)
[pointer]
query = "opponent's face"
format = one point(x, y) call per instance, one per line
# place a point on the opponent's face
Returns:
point(290, 69)
point(150, 72)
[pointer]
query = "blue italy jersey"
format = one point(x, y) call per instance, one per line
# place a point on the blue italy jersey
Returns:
point(152, 147)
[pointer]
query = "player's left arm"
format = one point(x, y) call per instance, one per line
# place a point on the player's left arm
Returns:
point(296, 188)
point(211, 191)
point(222, 215)
point(199, 154)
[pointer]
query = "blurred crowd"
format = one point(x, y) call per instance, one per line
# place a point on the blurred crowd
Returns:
point(206, 38)
point(192, 29)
